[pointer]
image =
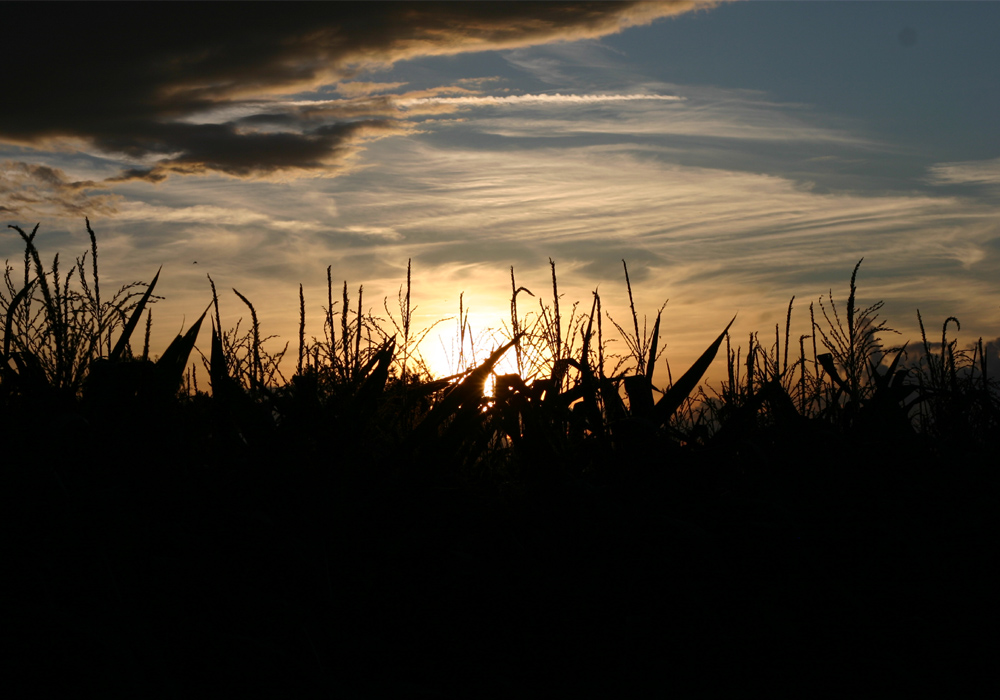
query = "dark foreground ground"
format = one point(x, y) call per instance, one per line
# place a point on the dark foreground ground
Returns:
point(818, 569)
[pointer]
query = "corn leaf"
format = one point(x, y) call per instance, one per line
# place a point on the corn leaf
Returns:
point(377, 371)
point(469, 389)
point(133, 321)
point(672, 400)
point(170, 366)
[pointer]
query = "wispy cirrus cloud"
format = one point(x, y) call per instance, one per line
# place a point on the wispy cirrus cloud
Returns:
point(713, 240)
point(355, 88)
point(670, 110)
point(28, 189)
point(439, 100)
point(534, 100)
point(974, 172)
point(202, 214)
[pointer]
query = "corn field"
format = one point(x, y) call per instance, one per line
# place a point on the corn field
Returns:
point(584, 524)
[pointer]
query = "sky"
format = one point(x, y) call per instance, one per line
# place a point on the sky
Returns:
point(734, 154)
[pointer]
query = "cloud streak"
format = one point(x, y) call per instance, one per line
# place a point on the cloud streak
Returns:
point(699, 112)
point(39, 190)
point(539, 99)
point(976, 172)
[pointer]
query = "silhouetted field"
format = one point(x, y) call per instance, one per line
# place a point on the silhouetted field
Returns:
point(828, 514)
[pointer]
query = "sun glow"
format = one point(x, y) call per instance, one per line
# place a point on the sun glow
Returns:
point(444, 357)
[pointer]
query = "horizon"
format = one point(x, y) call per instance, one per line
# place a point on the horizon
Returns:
point(734, 155)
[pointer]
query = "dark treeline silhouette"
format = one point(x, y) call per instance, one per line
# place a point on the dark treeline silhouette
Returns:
point(828, 514)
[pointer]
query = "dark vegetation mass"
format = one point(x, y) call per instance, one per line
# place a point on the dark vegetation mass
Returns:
point(828, 513)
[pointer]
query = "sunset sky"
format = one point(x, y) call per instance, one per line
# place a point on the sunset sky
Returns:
point(734, 154)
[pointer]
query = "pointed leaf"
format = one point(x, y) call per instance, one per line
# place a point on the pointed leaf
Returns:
point(470, 388)
point(884, 381)
point(826, 360)
point(374, 383)
point(170, 366)
point(134, 320)
point(672, 400)
point(652, 348)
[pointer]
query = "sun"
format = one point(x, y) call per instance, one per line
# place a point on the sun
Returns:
point(444, 358)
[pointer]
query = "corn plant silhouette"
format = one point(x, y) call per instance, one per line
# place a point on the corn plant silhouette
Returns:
point(824, 498)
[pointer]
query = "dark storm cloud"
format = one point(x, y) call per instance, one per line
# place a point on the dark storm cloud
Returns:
point(131, 78)
point(224, 148)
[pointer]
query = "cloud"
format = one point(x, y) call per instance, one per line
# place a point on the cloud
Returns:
point(205, 214)
point(125, 79)
point(713, 240)
point(540, 99)
point(360, 89)
point(226, 148)
point(742, 115)
point(439, 100)
point(385, 232)
point(39, 190)
point(973, 172)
